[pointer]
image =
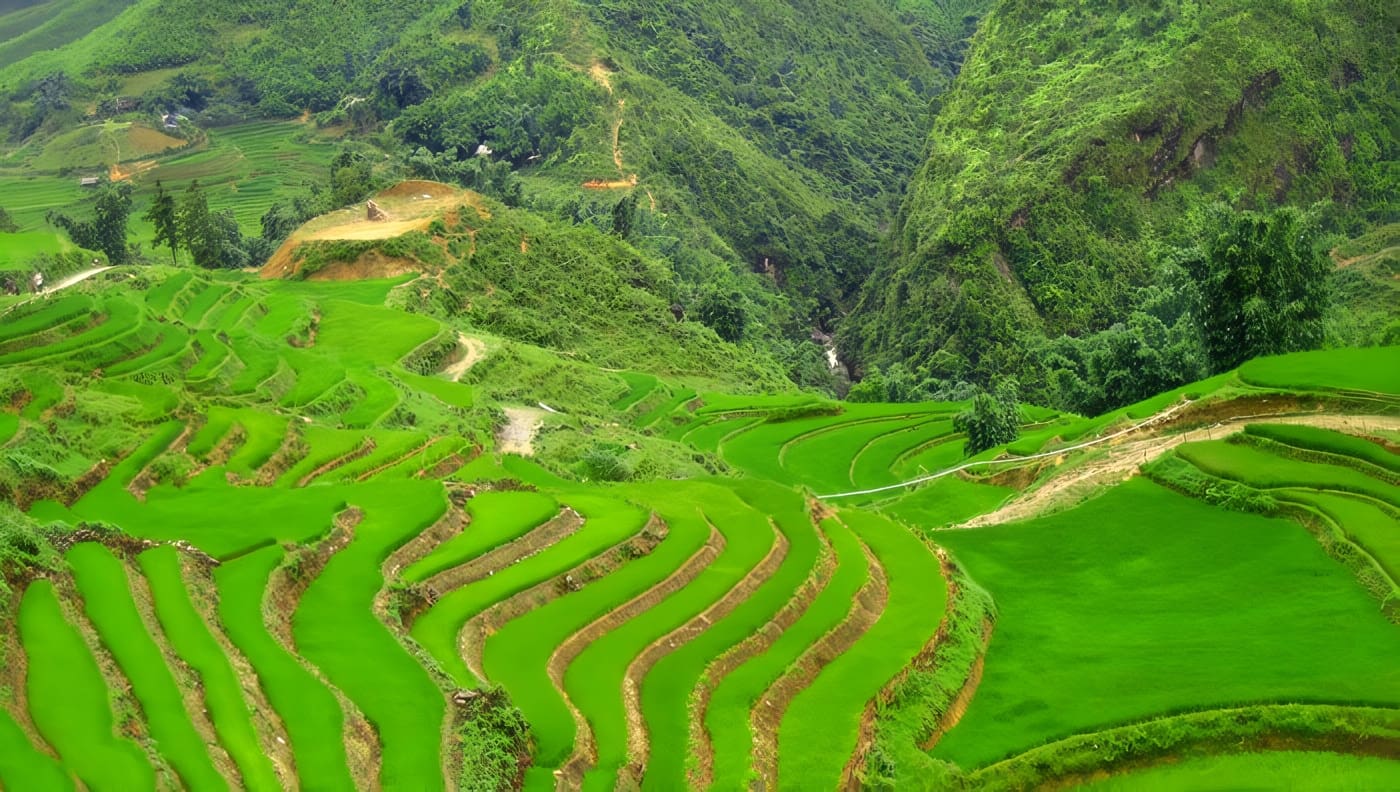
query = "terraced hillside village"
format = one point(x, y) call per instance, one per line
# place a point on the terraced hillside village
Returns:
point(493, 395)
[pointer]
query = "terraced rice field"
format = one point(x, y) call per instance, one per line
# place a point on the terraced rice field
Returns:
point(319, 573)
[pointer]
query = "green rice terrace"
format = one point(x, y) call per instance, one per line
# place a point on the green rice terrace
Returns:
point(276, 534)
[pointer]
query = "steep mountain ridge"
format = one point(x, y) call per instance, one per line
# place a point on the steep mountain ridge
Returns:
point(1079, 141)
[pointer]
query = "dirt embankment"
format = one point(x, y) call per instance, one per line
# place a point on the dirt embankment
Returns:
point(585, 754)
point(638, 744)
point(767, 714)
point(1122, 460)
point(407, 206)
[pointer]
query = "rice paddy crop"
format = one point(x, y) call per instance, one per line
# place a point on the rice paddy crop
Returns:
point(738, 693)
point(1260, 468)
point(666, 690)
point(68, 699)
point(335, 629)
point(189, 635)
point(820, 729)
point(102, 581)
point(606, 522)
point(1317, 771)
point(595, 678)
point(516, 656)
point(22, 766)
point(496, 518)
point(1327, 441)
point(1253, 609)
point(1375, 369)
point(308, 709)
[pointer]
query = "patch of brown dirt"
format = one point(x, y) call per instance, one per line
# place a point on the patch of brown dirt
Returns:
point(1122, 460)
point(518, 435)
point(768, 711)
point(611, 184)
point(413, 204)
point(638, 746)
point(470, 351)
point(118, 173)
point(585, 754)
point(1343, 263)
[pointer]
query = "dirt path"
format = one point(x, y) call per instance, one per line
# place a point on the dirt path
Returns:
point(518, 435)
point(1121, 461)
point(473, 352)
point(71, 280)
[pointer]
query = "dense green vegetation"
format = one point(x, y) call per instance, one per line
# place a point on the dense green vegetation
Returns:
point(1069, 185)
point(456, 404)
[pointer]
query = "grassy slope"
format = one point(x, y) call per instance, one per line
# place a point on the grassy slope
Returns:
point(1254, 610)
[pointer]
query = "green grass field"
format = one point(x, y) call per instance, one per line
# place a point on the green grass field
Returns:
point(216, 413)
point(1323, 772)
point(1254, 610)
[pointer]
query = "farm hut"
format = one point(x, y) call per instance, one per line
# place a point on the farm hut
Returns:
point(89, 181)
point(171, 121)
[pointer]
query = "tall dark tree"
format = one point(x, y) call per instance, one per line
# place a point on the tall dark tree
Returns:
point(196, 230)
point(994, 418)
point(1263, 284)
point(724, 314)
point(107, 230)
point(162, 216)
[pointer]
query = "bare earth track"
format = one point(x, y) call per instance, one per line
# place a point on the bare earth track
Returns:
point(1122, 461)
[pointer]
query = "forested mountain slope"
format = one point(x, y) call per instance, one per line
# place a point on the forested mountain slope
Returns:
point(1073, 157)
point(769, 137)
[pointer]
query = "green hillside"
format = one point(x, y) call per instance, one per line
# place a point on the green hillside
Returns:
point(1072, 165)
point(561, 395)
